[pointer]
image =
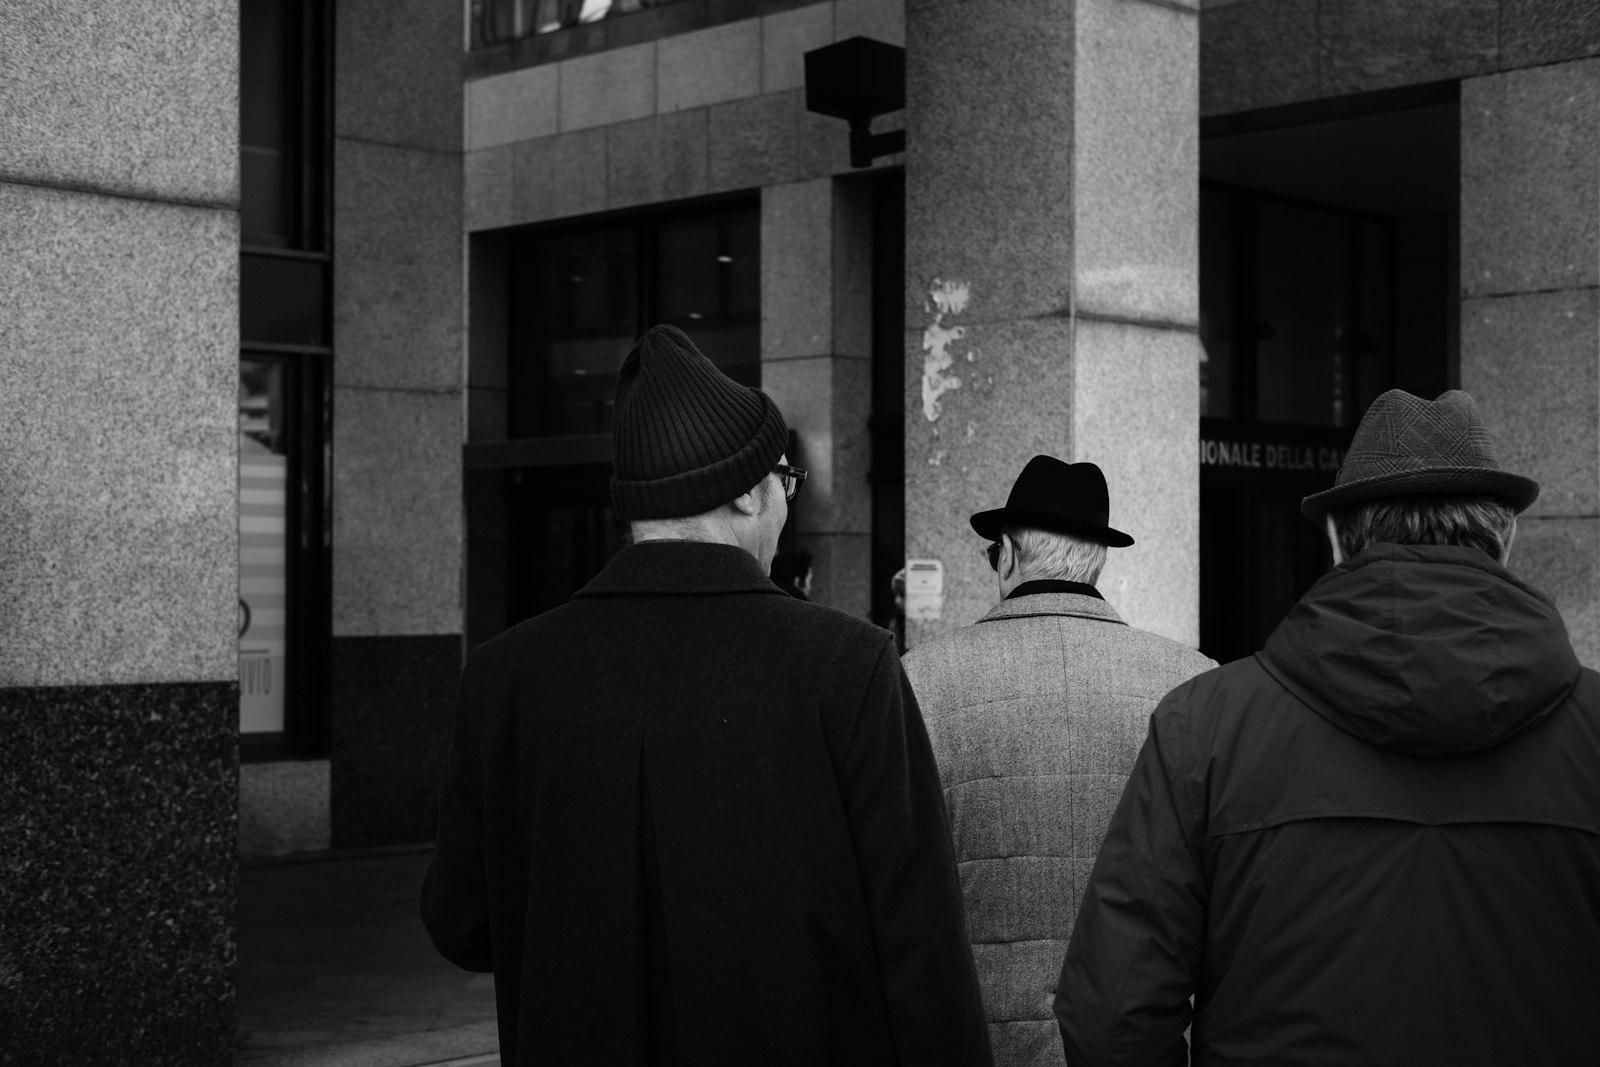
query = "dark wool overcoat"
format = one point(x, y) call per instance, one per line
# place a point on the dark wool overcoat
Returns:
point(1377, 841)
point(686, 818)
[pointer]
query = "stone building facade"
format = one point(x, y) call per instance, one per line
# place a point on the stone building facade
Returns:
point(1186, 240)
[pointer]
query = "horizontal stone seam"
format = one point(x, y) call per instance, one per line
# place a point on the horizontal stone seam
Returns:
point(90, 189)
point(1510, 293)
point(1129, 320)
point(1540, 516)
point(462, 151)
point(1173, 5)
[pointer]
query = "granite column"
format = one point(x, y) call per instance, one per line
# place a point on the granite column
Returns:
point(1052, 286)
point(1530, 313)
point(119, 378)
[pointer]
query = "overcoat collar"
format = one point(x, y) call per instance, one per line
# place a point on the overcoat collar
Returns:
point(680, 567)
point(1074, 604)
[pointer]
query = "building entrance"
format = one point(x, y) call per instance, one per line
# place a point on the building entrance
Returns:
point(1328, 275)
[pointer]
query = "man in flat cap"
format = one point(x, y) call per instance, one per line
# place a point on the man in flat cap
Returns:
point(686, 818)
point(1377, 841)
point(1036, 712)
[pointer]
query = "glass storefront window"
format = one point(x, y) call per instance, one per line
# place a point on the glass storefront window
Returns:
point(1304, 302)
point(1217, 311)
point(263, 546)
point(709, 279)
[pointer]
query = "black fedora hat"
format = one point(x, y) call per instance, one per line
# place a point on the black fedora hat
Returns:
point(1052, 495)
point(1408, 446)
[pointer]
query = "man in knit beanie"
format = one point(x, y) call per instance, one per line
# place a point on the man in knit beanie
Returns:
point(686, 818)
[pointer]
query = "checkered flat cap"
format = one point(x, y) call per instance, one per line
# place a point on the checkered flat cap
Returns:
point(1408, 446)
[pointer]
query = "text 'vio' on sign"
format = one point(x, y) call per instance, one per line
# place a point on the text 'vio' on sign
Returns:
point(1270, 456)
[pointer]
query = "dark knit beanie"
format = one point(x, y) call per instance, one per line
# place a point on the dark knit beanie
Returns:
point(687, 438)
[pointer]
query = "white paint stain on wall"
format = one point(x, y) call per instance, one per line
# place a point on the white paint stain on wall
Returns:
point(949, 298)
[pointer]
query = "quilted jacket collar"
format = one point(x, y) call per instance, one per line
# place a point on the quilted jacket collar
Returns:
point(681, 568)
point(1074, 604)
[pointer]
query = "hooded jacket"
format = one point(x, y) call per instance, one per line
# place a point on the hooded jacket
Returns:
point(1375, 841)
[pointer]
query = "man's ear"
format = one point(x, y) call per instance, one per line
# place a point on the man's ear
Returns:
point(1008, 556)
point(747, 503)
point(1333, 540)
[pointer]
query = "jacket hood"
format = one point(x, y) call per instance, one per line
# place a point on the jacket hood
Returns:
point(1427, 650)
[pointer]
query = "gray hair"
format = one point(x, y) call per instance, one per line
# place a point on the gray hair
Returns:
point(1049, 554)
point(1482, 522)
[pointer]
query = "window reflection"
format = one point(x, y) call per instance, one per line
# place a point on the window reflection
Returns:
point(497, 21)
point(581, 297)
point(263, 545)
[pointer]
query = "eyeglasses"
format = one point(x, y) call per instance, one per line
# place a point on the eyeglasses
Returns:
point(791, 477)
point(993, 552)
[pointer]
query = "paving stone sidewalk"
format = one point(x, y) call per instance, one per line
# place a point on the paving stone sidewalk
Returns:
point(335, 970)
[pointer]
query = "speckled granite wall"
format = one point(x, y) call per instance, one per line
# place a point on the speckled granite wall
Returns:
point(399, 355)
point(117, 874)
point(119, 381)
point(393, 698)
point(1530, 313)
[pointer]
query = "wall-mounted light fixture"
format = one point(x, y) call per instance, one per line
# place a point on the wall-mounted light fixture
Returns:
point(857, 80)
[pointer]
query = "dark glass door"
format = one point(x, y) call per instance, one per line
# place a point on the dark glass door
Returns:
point(566, 531)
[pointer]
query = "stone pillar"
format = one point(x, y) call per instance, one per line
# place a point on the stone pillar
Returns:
point(1052, 282)
point(1530, 325)
point(119, 378)
point(816, 364)
point(399, 416)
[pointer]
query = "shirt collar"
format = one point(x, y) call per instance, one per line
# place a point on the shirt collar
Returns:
point(680, 567)
point(1054, 585)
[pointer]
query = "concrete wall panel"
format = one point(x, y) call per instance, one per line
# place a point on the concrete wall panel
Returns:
point(881, 20)
point(74, 117)
point(1137, 75)
point(1559, 557)
point(555, 177)
point(797, 270)
point(658, 159)
point(1379, 44)
point(1530, 201)
point(486, 188)
point(785, 38)
point(991, 203)
point(1532, 363)
point(397, 265)
point(1530, 232)
point(709, 66)
point(1260, 53)
point(397, 512)
point(753, 142)
point(398, 72)
point(517, 106)
point(1546, 31)
point(118, 440)
point(1136, 406)
point(613, 86)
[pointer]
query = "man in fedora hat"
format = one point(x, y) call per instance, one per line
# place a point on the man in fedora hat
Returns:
point(1036, 712)
point(1378, 839)
point(686, 818)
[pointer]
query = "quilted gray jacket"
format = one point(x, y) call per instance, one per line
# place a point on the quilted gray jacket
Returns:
point(1036, 713)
